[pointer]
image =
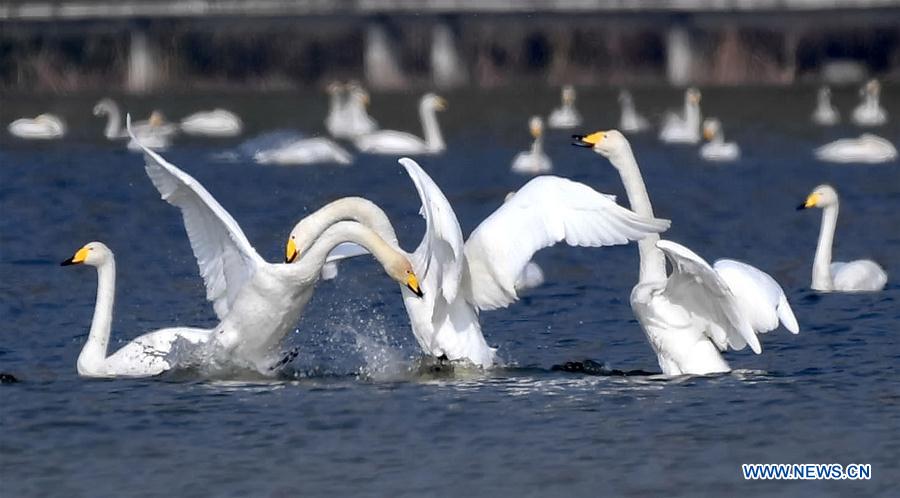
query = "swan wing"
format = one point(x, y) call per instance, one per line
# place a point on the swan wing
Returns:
point(761, 300)
point(225, 257)
point(695, 286)
point(547, 210)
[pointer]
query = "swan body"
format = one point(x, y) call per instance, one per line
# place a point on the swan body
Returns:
point(214, 123)
point(868, 148)
point(154, 133)
point(717, 149)
point(397, 143)
point(855, 276)
point(869, 112)
point(305, 151)
point(683, 129)
point(42, 127)
point(146, 355)
point(629, 120)
point(697, 310)
point(565, 116)
point(825, 113)
point(535, 161)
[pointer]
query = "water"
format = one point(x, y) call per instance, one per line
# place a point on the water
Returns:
point(358, 418)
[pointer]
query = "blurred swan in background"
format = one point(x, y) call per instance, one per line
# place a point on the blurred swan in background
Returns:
point(685, 128)
point(305, 151)
point(533, 162)
point(868, 148)
point(42, 127)
point(629, 120)
point(698, 310)
point(856, 276)
point(565, 116)
point(347, 114)
point(142, 357)
point(717, 149)
point(398, 142)
point(154, 133)
point(869, 112)
point(214, 123)
point(825, 113)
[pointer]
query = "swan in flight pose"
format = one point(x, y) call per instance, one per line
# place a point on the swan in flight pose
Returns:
point(145, 356)
point(42, 127)
point(683, 129)
point(305, 151)
point(214, 123)
point(825, 113)
point(347, 114)
point(868, 148)
point(717, 149)
point(398, 142)
point(869, 112)
point(698, 310)
point(565, 116)
point(460, 279)
point(630, 121)
point(257, 302)
point(534, 162)
point(856, 276)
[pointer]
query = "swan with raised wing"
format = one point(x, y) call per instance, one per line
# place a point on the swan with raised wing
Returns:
point(398, 142)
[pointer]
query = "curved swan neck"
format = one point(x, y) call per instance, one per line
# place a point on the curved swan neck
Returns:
point(692, 114)
point(653, 262)
point(113, 120)
point(350, 209)
point(433, 138)
point(94, 351)
point(821, 277)
point(537, 147)
point(349, 231)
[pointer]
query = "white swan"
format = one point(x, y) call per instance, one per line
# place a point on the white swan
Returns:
point(629, 120)
point(697, 310)
point(868, 148)
point(305, 151)
point(42, 127)
point(856, 276)
point(154, 133)
point(347, 114)
point(144, 356)
point(214, 123)
point(534, 162)
point(869, 112)
point(683, 129)
point(460, 279)
point(717, 149)
point(113, 129)
point(397, 142)
point(825, 113)
point(257, 302)
point(335, 120)
point(565, 116)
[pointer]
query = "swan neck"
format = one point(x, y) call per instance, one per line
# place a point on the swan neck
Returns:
point(537, 147)
point(350, 209)
point(94, 351)
point(113, 121)
point(821, 277)
point(349, 231)
point(433, 138)
point(692, 114)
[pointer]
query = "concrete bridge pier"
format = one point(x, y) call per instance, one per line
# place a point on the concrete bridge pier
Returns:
point(679, 56)
point(144, 63)
point(381, 59)
point(448, 68)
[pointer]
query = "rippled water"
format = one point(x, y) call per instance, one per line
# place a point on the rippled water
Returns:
point(360, 418)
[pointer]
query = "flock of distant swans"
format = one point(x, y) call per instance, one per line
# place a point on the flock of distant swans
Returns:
point(690, 315)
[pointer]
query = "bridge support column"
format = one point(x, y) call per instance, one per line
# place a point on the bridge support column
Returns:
point(447, 66)
point(381, 61)
point(679, 56)
point(143, 63)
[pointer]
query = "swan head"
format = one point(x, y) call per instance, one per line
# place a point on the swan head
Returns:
point(156, 119)
point(624, 97)
point(821, 197)
point(692, 95)
point(606, 143)
point(824, 93)
point(358, 93)
point(711, 128)
point(568, 94)
point(536, 125)
point(103, 107)
point(401, 270)
point(334, 88)
point(93, 254)
point(433, 101)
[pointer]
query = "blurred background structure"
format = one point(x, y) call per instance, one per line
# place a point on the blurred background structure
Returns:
point(148, 45)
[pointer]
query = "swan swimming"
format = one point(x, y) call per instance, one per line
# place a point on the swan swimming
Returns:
point(565, 116)
point(533, 162)
point(869, 112)
point(861, 275)
point(825, 113)
point(683, 129)
point(258, 302)
point(145, 356)
point(397, 142)
point(154, 133)
point(42, 127)
point(305, 151)
point(214, 123)
point(868, 148)
point(629, 119)
point(460, 279)
point(717, 149)
point(347, 114)
point(698, 310)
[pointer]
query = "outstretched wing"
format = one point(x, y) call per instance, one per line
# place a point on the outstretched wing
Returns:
point(547, 210)
point(759, 297)
point(225, 257)
point(697, 287)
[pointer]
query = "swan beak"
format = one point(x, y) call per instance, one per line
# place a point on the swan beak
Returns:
point(78, 258)
point(810, 202)
point(588, 141)
point(291, 252)
point(412, 283)
point(707, 133)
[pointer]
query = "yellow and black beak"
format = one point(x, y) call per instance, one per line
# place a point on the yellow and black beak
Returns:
point(588, 140)
point(291, 252)
point(810, 202)
point(707, 133)
point(77, 259)
point(412, 283)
